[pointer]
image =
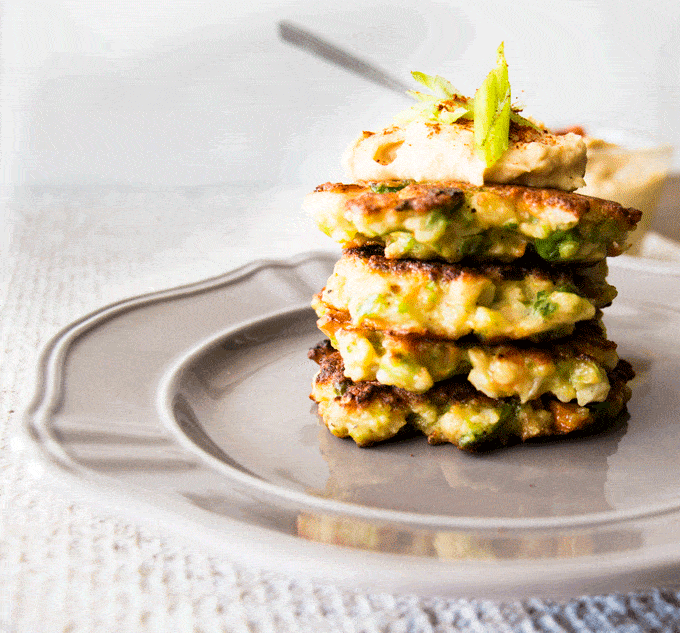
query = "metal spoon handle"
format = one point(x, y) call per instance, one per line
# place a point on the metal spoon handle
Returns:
point(298, 36)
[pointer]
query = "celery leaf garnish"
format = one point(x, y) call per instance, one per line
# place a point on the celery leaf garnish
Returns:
point(515, 117)
point(492, 113)
point(490, 109)
point(446, 105)
point(441, 87)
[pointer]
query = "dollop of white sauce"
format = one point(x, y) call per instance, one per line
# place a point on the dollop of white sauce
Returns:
point(424, 151)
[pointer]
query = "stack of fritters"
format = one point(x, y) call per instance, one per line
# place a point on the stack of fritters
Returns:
point(472, 313)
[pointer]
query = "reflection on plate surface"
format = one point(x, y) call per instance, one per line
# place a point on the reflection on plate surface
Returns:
point(194, 402)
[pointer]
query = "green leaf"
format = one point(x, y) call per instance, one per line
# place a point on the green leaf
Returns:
point(446, 105)
point(443, 88)
point(492, 112)
point(421, 96)
point(520, 120)
point(490, 109)
point(446, 116)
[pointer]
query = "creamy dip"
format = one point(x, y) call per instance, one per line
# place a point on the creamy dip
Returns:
point(427, 151)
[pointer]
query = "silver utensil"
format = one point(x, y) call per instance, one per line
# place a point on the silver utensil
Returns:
point(312, 43)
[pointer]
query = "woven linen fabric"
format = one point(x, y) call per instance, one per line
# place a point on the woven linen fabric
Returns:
point(68, 567)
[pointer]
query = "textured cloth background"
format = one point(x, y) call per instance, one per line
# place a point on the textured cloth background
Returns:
point(65, 566)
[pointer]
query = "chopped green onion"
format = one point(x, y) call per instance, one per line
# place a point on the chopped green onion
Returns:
point(543, 305)
point(373, 304)
point(559, 245)
point(492, 112)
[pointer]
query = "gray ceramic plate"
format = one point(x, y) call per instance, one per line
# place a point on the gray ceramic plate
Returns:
point(191, 407)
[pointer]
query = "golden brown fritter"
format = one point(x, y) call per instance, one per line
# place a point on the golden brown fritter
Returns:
point(453, 410)
point(570, 368)
point(493, 301)
point(454, 220)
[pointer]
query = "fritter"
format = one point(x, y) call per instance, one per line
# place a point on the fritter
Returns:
point(492, 301)
point(571, 368)
point(454, 220)
point(453, 410)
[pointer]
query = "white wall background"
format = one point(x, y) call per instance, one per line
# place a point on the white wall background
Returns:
point(188, 93)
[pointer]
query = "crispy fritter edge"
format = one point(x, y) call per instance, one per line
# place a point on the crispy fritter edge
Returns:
point(460, 390)
point(423, 197)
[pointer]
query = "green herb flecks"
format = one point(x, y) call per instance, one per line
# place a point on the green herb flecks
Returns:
point(543, 305)
point(473, 245)
point(373, 305)
point(477, 434)
point(559, 245)
point(389, 187)
point(340, 387)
